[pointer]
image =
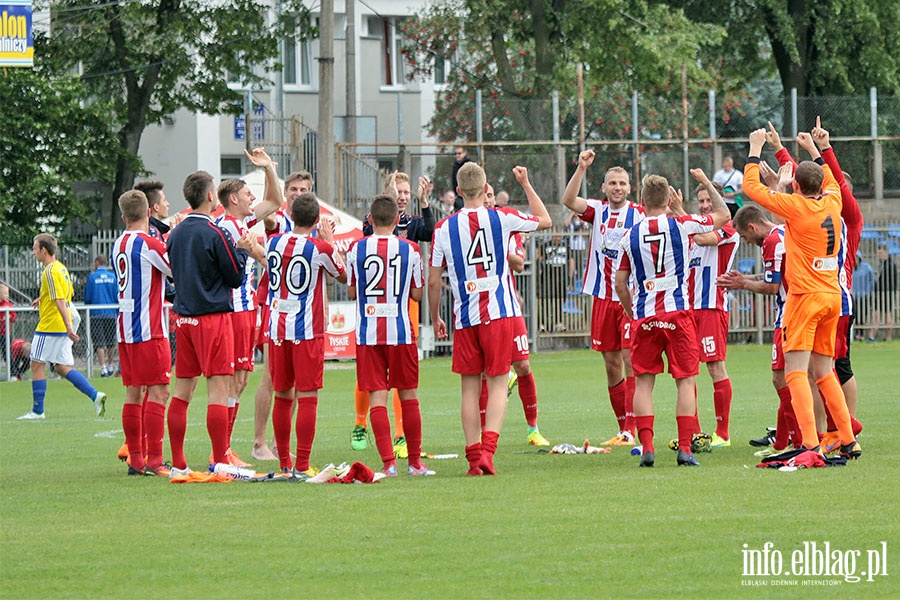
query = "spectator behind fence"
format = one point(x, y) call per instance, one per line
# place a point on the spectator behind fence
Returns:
point(885, 294)
point(863, 285)
point(102, 288)
point(4, 317)
point(20, 352)
point(732, 181)
point(460, 157)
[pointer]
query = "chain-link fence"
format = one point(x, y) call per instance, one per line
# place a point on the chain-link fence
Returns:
point(642, 133)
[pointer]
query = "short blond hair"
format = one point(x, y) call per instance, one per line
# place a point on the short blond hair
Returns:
point(618, 170)
point(655, 191)
point(471, 180)
point(133, 205)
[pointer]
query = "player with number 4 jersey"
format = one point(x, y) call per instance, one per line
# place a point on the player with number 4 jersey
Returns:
point(472, 245)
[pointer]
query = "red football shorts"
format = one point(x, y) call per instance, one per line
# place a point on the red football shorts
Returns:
point(204, 345)
point(842, 338)
point(146, 363)
point(672, 333)
point(244, 324)
point(519, 339)
point(387, 367)
point(483, 348)
point(297, 364)
point(777, 351)
point(712, 333)
point(262, 299)
point(610, 327)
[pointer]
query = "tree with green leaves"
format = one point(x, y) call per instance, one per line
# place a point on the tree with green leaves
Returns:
point(152, 57)
point(519, 52)
point(50, 139)
point(828, 47)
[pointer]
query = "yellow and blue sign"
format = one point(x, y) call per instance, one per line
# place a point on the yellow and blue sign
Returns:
point(16, 34)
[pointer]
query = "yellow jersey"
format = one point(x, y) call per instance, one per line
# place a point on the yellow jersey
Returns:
point(55, 284)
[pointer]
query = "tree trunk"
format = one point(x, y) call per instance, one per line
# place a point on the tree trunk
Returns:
point(130, 141)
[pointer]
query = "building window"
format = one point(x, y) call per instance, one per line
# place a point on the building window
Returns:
point(441, 69)
point(298, 63)
point(393, 63)
point(231, 167)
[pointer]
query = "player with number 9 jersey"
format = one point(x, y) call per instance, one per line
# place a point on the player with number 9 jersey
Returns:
point(141, 266)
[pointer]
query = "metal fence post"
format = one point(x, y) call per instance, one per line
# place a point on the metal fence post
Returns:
point(560, 152)
point(635, 137)
point(877, 157)
point(711, 96)
point(478, 133)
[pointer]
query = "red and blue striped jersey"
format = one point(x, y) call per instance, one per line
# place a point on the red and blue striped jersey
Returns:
point(657, 252)
point(384, 269)
point(473, 245)
point(707, 263)
point(773, 268)
point(141, 266)
point(608, 226)
point(296, 267)
point(244, 297)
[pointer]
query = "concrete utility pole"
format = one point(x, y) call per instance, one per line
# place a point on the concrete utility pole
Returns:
point(351, 71)
point(325, 135)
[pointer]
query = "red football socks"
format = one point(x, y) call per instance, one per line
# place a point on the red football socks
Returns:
point(644, 424)
point(630, 426)
point(177, 422)
point(217, 426)
point(473, 455)
point(722, 394)
point(489, 441)
point(154, 431)
point(412, 419)
point(381, 428)
point(528, 395)
point(617, 401)
point(281, 423)
point(685, 432)
point(306, 430)
point(133, 427)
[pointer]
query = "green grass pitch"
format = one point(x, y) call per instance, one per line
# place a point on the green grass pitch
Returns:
point(584, 526)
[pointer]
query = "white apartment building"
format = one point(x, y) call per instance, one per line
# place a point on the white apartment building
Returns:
point(389, 108)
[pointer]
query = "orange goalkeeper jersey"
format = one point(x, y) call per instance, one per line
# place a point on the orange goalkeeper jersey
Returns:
point(812, 231)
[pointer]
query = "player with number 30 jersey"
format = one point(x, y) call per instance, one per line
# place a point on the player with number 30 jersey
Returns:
point(297, 287)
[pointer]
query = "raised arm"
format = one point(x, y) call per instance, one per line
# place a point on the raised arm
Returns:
point(720, 212)
point(570, 198)
point(272, 198)
point(534, 201)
